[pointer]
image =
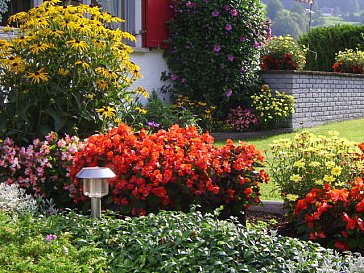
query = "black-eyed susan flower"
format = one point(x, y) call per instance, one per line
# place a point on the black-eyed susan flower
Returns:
point(102, 84)
point(107, 112)
point(82, 46)
point(63, 71)
point(143, 92)
point(17, 67)
point(39, 47)
point(84, 65)
point(38, 76)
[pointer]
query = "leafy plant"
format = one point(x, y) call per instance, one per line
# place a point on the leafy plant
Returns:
point(166, 242)
point(214, 49)
point(272, 109)
point(172, 170)
point(349, 61)
point(3, 7)
point(310, 162)
point(282, 53)
point(66, 71)
point(325, 42)
point(15, 200)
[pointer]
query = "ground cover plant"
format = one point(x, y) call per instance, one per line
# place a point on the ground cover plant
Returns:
point(166, 242)
point(81, 90)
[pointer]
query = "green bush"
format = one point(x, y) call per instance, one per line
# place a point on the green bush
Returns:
point(214, 48)
point(66, 71)
point(167, 242)
point(327, 41)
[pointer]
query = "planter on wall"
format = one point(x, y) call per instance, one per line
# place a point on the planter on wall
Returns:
point(322, 97)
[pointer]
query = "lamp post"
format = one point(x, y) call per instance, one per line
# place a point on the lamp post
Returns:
point(95, 186)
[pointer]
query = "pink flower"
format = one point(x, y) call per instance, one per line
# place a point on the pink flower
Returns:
point(217, 48)
point(234, 12)
point(215, 13)
point(231, 57)
point(228, 93)
point(227, 7)
point(189, 4)
point(174, 77)
point(61, 143)
point(243, 39)
point(228, 27)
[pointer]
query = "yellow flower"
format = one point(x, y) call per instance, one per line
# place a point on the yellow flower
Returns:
point(17, 67)
point(299, 164)
point(63, 72)
point(36, 48)
point(330, 164)
point(329, 178)
point(106, 73)
point(37, 77)
point(292, 197)
point(319, 182)
point(143, 92)
point(83, 64)
point(336, 170)
point(107, 112)
point(102, 84)
point(314, 164)
point(82, 46)
point(295, 178)
point(141, 110)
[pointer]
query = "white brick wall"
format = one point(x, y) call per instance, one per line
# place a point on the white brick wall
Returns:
point(322, 97)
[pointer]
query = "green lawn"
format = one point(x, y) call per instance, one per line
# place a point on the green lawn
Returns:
point(352, 130)
point(334, 20)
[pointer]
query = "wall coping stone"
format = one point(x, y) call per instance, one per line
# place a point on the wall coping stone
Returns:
point(308, 72)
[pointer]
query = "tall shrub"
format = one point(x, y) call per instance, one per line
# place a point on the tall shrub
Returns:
point(214, 48)
point(65, 71)
point(326, 42)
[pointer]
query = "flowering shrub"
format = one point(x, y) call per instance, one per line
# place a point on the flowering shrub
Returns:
point(13, 199)
point(214, 48)
point(242, 119)
point(349, 61)
point(333, 217)
point(172, 170)
point(282, 53)
point(42, 168)
point(310, 161)
point(88, 75)
point(272, 109)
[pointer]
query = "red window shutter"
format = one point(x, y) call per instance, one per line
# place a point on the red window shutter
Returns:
point(156, 15)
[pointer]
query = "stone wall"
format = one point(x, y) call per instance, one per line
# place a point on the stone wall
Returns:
point(322, 97)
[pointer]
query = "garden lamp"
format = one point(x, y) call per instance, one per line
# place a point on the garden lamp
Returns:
point(95, 186)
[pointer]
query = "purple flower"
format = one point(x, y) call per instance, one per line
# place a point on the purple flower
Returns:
point(174, 77)
point(189, 4)
point(228, 27)
point(217, 48)
point(257, 45)
point(231, 57)
point(206, 1)
point(153, 124)
point(228, 93)
point(215, 13)
point(183, 81)
point(51, 237)
point(234, 12)
point(243, 69)
point(227, 7)
point(243, 39)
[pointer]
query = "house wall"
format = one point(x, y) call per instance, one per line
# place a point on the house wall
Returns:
point(152, 64)
point(322, 97)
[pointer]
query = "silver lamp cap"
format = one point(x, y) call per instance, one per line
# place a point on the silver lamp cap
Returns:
point(95, 172)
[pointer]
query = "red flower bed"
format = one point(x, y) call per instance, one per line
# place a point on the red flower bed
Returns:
point(341, 67)
point(284, 62)
point(333, 217)
point(172, 170)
